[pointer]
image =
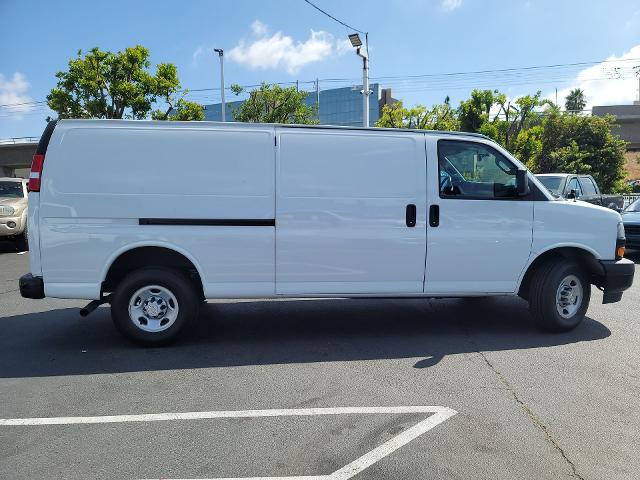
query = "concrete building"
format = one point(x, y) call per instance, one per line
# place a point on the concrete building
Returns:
point(627, 122)
point(16, 155)
point(338, 106)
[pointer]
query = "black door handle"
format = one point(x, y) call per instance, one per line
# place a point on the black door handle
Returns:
point(434, 215)
point(410, 215)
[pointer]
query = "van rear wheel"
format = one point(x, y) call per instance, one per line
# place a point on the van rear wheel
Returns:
point(559, 295)
point(151, 306)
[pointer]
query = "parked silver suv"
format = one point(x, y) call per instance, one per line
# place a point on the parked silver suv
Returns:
point(13, 211)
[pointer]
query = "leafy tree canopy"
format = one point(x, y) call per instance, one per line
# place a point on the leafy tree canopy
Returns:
point(575, 101)
point(577, 144)
point(274, 104)
point(102, 84)
point(530, 127)
point(439, 117)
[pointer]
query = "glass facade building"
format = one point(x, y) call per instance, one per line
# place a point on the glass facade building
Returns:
point(338, 106)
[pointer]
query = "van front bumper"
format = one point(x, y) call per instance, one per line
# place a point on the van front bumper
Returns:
point(31, 287)
point(617, 277)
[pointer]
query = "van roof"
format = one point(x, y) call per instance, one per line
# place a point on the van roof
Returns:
point(204, 124)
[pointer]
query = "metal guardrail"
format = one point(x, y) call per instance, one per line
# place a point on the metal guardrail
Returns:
point(630, 198)
point(15, 140)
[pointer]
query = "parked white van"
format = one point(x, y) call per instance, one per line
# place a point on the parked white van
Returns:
point(155, 217)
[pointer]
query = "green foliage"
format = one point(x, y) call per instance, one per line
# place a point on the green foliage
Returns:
point(533, 129)
point(180, 110)
point(576, 144)
point(274, 104)
point(102, 84)
point(474, 112)
point(575, 101)
point(439, 117)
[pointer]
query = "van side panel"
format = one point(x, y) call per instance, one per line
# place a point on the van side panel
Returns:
point(205, 192)
point(342, 212)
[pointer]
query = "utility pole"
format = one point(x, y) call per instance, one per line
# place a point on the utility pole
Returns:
point(220, 53)
point(318, 97)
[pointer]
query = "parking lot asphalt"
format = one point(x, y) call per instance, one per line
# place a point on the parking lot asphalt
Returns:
point(529, 404)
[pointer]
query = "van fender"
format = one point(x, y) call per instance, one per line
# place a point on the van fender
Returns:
point(169, 246)
point(535, 255)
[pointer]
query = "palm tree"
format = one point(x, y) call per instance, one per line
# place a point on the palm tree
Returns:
point(575, 102)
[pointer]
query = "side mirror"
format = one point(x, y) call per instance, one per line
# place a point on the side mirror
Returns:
point(522, 183)
point(572, 195)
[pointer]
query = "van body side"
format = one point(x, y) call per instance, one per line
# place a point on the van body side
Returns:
point(154, 217)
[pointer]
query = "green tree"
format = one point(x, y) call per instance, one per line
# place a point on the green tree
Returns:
point(103, 84)
point(474, 112)
point(515, 123)
point(575, 102)
point(577, 144)
point(180, 110)
point(439, 117)
point(274, 104)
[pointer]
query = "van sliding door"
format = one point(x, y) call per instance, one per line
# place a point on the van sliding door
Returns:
point(350, 212)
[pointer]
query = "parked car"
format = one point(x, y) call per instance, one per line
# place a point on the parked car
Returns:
point(155, 217)
point(631, 219)
point(13, 211)
point(580, 187)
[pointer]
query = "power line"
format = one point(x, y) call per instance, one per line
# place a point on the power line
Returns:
point(515, 76)
point(334, 18)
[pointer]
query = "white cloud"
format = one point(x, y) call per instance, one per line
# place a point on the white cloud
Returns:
point(14, 91)
point(278, 50)
point(449, 5)
point(258, 28)
point(199, 52)
point(613, 82)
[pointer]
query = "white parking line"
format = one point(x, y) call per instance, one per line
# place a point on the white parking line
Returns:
point(437, 416)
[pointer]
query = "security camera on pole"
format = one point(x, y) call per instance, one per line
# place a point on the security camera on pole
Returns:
point(354, 38)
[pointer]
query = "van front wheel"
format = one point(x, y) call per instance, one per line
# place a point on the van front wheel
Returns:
point(559, 295)
point(151, 306)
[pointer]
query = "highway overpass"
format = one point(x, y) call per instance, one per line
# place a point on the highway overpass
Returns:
point(15, 156)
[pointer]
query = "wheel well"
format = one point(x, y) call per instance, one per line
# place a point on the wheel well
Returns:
point(584, 258)
point(149, 257)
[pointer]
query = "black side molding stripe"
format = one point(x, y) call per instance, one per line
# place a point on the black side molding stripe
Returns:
point(211, 222)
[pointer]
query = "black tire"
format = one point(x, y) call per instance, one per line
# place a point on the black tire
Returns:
point(176, 283)
point(544, 290)
point(22, 242)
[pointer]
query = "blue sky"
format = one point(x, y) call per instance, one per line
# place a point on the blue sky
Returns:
point(287, 40)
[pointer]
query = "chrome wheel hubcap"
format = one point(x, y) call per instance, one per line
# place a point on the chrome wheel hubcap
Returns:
point(153, 308)
point(569, 296)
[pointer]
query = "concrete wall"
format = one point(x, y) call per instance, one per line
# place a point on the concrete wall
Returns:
point(627, 122)
point(16, 157)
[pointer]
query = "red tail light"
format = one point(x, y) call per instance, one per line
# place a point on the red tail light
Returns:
point(36, 172)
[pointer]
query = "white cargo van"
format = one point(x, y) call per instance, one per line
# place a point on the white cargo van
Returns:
point(155, 217)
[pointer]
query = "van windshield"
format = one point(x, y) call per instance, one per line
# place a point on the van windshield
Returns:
point(11, 190)
point(552, 183)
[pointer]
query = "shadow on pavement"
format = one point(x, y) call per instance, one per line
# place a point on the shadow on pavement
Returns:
point(59, 342)
point(7, 246)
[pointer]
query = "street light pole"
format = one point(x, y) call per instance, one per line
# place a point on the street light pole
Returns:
point(220, 53)
point(365, 87)
point(364, 54)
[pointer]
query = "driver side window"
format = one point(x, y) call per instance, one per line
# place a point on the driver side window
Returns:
point(471, 170)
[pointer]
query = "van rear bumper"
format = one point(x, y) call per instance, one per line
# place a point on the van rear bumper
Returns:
point(31, 287)
point(617, 277)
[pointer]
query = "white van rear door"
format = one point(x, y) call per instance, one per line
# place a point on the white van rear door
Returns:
point(344, 202)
